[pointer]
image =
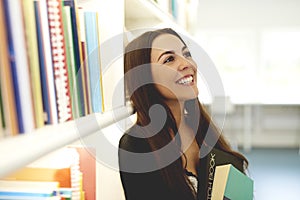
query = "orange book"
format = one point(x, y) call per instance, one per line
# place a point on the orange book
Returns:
point(63, 175)
point(87, 165)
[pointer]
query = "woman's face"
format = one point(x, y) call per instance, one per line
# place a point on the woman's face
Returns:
point(173, 70)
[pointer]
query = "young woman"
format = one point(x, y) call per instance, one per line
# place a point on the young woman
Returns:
point(159, 155)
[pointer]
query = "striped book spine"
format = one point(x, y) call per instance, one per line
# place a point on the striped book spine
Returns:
point(63, 98)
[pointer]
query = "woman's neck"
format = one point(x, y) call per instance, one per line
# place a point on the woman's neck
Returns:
point(177, 109)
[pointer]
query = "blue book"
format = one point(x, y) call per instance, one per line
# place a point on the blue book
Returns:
point(43, 72)
point(29, 190)
point(93, 60)
point(13, 66)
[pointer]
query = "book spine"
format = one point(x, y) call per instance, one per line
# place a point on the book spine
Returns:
point(32, 49)
point(93, 58)
point(22, 86)
point(75, 26)
point(84, 62)
point(63, 98)
point(7, 88)
point(74, 91)
point(45, 58)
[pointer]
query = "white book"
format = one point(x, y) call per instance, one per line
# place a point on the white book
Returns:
point(22, 68)
point(48, 60)
point(28, 189)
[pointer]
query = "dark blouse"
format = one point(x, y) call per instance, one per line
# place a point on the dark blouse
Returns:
point(146, 185)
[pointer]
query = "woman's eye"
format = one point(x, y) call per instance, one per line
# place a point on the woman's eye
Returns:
point(187, 54)
point(169, 59)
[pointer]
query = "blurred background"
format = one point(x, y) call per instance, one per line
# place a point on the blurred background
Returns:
point(255, 45)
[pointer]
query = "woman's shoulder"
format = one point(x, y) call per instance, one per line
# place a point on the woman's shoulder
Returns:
point(134, 142)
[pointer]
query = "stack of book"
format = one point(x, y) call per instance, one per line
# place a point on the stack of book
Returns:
point(67, 174)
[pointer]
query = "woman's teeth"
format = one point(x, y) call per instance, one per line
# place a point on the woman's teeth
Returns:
point(185, 80)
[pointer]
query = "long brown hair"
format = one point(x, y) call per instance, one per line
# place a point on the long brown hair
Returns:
point(138, 53)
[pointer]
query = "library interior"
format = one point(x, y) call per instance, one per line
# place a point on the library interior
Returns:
point(64, 102)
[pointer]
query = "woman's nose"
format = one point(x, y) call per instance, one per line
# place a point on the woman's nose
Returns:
point(184, 64)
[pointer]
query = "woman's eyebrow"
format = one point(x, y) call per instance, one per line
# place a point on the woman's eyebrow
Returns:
point(164, 53)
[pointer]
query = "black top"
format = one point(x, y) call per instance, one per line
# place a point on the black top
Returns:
point(151, 185)
point(146, 185)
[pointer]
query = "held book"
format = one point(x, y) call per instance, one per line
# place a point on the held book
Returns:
point(207, 167)
point(230, 183)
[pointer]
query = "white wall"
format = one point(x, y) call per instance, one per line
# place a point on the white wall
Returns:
point(245, 13)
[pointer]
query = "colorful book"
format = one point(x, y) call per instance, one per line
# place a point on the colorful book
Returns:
point(230, 183)
point(70, 57)
point(84, 65)
point(93, 60)
point(207, 167)
point(34, 68)
point(61, 166)
point(19, 64)
point(60, 69)
point(45, 62)
point(30, 190)
point(76, 39)
point(7, 87)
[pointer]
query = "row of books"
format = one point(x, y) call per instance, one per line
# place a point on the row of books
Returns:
point(50, 64)
point(68, 173)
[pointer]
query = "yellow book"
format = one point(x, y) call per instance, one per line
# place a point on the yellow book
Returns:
point(61, 175)
point(32, 49)
point(7, 89)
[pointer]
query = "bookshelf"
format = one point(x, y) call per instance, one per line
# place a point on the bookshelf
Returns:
point(22, 149)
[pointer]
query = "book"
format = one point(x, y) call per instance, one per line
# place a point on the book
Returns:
point(7, 88)
point(60, 68)
point(19, 65)
point(61, 166)
point(84, 65)
point(30, 190)
point(76, 28)
point(70, 57)
point(33, 58)
point(87, 165)
point(45, 62)
point(230, 183)
point(93, 60)
point(207, 165)
point(2, 120)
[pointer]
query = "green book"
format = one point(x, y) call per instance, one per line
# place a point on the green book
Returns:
point(230, 183)
point(207, 165)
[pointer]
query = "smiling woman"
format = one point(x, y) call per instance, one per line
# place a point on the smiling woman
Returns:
point(173, 66)
point(159, 155)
